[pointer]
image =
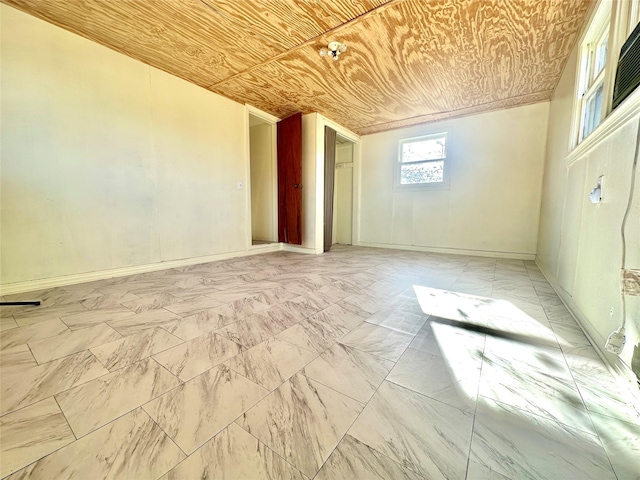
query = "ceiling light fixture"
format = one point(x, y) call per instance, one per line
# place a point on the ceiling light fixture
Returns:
point(333, 50)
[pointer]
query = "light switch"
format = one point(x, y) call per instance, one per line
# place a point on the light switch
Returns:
point(239, 185)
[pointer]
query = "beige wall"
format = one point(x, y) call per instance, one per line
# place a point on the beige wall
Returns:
point(492, 205)
point(579, 242)
point(262, 187)
point(108, 163)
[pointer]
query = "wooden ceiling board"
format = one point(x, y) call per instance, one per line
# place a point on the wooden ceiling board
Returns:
point(412, 61)
point(408, 61)
point(292, 22)
point(182, 37)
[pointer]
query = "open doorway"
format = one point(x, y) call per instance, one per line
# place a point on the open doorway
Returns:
point(343, 192)
point(262, 169)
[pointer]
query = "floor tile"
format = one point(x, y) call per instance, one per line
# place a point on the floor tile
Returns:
point(610, 400)
point(200, 408)
point(198, 324)
point(198, 355)
point(398, 320)
point(31, 433)
point(31, 385)
point(435, 447)
point(303, 421)
point(514, 355)
point(271, 362)
point(89, 318)
point(107, 302)
point(378, 341)
point(520, 445)
point(242, 308)
point(41, 314)
point(132, 447)
point(621, 441)
point(453, 343)
point(361, 304)
point(7, 323)
point(142, 321)
point(22, 335)
point(234, 454)
point(569, 334)
point(131, 349)
point(349, 371)
point(454, 383)
point(339, 317)
point(536, 392)
point(16, 359)
point(314, 333)
point(476, 471)
point(151, 302)
point(194, 305)
point(356, 461)
point(96, 403)
point(69, 342)
point(253, 330)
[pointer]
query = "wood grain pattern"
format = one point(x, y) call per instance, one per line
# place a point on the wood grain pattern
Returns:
point(409, 61)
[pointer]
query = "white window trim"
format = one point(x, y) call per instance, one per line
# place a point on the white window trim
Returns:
point(622, 16)
point(598, 26)
point(444, 184)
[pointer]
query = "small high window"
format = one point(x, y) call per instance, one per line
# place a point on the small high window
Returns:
point(422, 161)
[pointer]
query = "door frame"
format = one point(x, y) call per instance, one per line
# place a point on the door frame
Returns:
point(352, 137)
point(271, 119)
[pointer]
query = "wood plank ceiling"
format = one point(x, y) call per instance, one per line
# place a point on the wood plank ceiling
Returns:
point(408, 61)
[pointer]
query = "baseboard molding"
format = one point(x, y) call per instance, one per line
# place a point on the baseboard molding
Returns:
point(618, 368)
point(28, 286)
point(265, 248)
point(298, 249)
point(454, 251)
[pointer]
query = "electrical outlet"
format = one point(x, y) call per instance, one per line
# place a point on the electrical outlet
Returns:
point(630, 282)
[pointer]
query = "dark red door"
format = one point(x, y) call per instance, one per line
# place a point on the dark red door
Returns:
point(290, 179)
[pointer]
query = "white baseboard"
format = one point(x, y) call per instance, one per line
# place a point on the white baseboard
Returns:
point(28, 286)
point(455, 251)
point(618, 368)
point(265, 248)
point(287, 247)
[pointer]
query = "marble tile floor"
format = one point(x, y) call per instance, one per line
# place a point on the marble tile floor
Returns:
point(356, 364)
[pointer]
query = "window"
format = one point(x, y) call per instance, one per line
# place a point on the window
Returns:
point(422, 161)
point(591, 86)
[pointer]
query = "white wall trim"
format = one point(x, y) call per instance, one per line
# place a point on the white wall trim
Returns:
point(626, 112)
point(454, 251)
point(618, 368)
point(273, 120)
point(266, 248)
point(31, 285)
point(355, 206)
point(287, 247)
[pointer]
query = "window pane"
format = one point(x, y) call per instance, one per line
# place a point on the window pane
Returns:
point(429, 172)
point(428, 149)
point(601, 55)
point(592, 112)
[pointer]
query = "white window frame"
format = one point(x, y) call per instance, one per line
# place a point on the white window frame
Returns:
point(587, 83)
point(442, 185)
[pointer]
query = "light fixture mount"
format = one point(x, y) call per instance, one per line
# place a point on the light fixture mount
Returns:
point(333, 50)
